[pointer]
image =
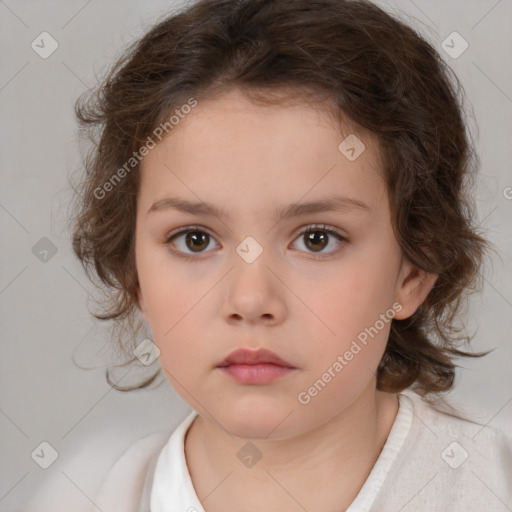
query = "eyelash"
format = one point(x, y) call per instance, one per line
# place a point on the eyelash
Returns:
point(311, 227)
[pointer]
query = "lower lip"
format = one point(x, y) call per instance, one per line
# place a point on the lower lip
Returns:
point(256, 373)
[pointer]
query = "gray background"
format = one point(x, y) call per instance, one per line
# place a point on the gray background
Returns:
point(53, 353)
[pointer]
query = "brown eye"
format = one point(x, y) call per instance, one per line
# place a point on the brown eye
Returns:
point(317, 237)
point(189, 241)
point(196, 240)
point(316, 240)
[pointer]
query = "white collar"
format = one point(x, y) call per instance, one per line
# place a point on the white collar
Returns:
point(172, 484)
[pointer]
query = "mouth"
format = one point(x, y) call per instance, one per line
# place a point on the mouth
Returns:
point(255, 367)
point(261, 356)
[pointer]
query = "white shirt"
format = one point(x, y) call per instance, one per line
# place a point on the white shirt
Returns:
point(431, 461)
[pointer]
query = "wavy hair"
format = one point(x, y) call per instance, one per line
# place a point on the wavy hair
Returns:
point(380, 74)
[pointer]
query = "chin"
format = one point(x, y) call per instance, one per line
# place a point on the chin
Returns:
point(259, 424)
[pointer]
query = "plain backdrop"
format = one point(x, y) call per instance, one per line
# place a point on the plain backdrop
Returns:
point(53, 388)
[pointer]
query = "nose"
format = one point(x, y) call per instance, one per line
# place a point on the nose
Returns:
point(254, 294)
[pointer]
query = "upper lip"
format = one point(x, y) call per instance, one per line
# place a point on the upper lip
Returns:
point(247, 356)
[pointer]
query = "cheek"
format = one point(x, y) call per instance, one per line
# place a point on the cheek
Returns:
point(165, 291)
point(175, 307)
point(177, 335)
point(169, 304)
point(347, 317)
point(352, 298)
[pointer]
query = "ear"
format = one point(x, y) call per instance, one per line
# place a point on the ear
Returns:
point(412, 287)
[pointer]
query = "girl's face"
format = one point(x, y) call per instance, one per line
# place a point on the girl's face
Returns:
point(248, 277)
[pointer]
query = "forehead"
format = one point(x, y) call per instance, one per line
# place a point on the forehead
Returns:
point(279, 108)
point(230, 145)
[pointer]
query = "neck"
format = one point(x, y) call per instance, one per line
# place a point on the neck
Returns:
point(337, 457)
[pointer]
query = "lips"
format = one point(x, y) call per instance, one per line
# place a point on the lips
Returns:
point(254, 357)
point(255, 367)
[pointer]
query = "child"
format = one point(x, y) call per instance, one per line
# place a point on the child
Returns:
point(280, 190)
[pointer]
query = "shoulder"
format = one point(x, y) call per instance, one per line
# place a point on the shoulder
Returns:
point(450, 421)
point(122, 486)
point(128, 483)
point(96, 464)
point(451, 460)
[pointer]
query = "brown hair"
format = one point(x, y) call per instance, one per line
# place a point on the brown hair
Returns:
point(382, 76)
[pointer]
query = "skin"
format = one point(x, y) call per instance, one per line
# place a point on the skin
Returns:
point(305, 306)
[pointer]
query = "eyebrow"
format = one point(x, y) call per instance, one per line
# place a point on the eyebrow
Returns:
point(325, 204)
